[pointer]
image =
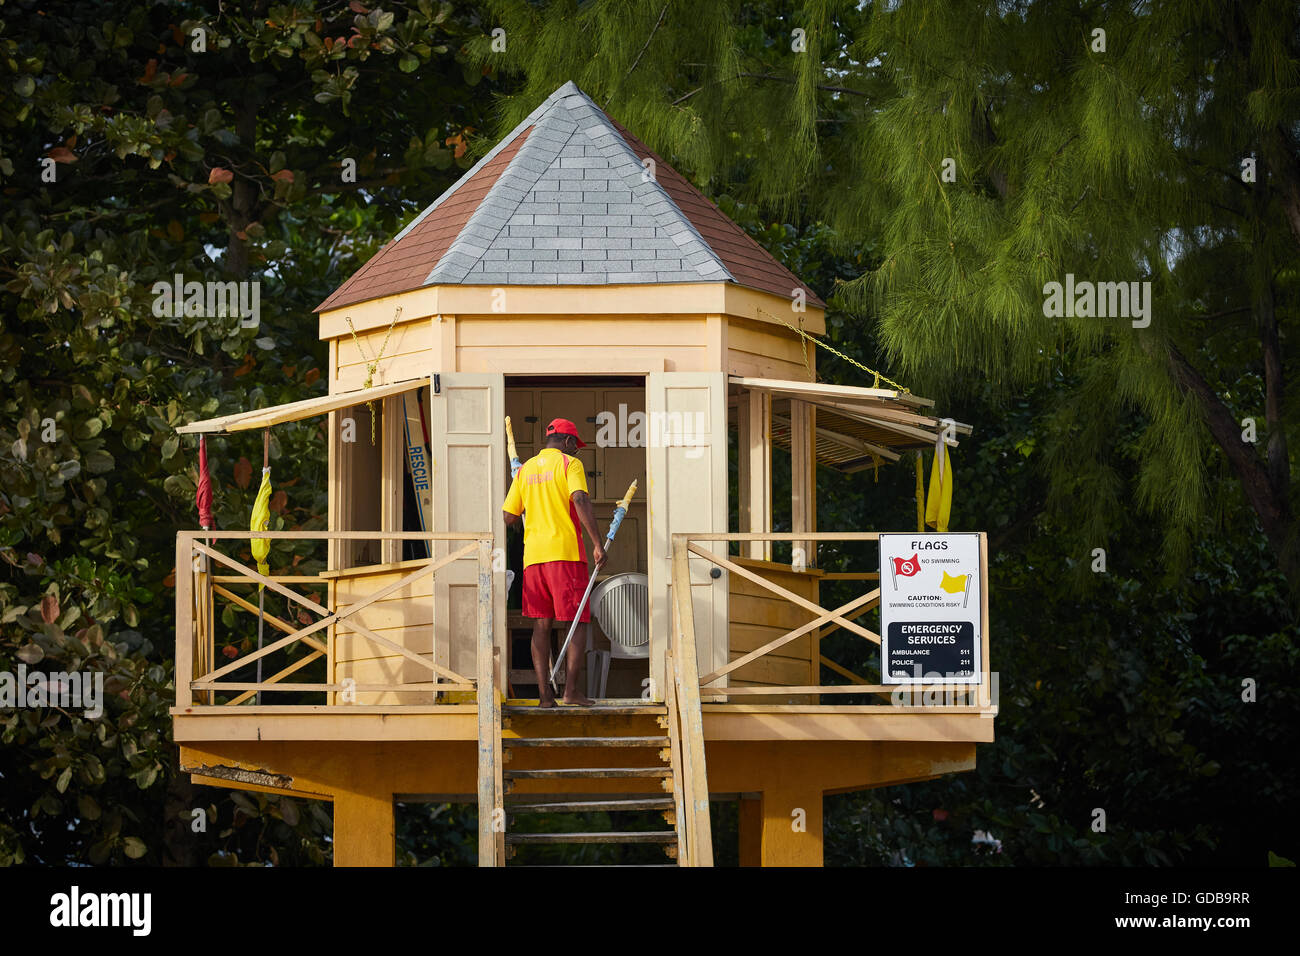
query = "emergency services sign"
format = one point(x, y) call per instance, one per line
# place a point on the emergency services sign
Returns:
point(930, 608)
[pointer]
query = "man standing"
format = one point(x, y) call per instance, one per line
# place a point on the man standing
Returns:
point(551, 488)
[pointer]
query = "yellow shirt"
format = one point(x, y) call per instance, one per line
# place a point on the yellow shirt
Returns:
point(544, 488)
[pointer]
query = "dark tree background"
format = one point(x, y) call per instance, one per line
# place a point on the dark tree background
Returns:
point(822, 128)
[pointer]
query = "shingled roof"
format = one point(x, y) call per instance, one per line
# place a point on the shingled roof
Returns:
point(565, 200)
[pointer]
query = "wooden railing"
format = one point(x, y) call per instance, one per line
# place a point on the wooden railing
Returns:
point(686, 723)
point(948, 696)
point(198, 587)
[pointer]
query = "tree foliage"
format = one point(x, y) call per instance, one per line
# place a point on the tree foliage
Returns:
point(823, 128)
point(138, 142)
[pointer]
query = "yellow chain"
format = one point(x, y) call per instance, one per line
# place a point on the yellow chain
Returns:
point(878, 378)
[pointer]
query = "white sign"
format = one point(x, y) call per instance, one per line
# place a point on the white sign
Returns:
point(930, 608)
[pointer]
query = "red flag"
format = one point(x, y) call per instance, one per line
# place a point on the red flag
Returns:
point(907, 567)
point(203, 496)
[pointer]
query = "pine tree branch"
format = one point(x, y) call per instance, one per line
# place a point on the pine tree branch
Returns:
point(658, 23)
point(770, 77)
point(1274, 393)
point(1279, 154)
point(1271, 509)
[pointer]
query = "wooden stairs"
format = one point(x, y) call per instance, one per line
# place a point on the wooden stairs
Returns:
point(615, 757)
point(556, 745)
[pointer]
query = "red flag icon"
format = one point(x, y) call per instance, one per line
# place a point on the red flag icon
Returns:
point(907, 567)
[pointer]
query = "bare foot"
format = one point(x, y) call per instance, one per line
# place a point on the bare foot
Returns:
point(546, 702)
point(578, 701)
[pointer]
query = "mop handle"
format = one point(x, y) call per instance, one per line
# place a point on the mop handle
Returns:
point(619, 511)
point(514, 452)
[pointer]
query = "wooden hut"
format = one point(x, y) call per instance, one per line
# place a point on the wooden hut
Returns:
point(570, 273)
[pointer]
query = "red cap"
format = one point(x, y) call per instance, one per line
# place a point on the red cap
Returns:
point(562, 426)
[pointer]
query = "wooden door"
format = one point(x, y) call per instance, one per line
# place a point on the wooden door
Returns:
point(467, 451)
point(687, 465)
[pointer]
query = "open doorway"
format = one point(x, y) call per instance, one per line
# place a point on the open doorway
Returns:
point(609, 412)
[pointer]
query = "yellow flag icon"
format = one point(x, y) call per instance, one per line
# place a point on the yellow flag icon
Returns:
point(954, 585)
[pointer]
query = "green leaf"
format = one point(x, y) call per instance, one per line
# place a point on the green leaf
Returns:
point(87, 808)
point(134, 847)
point(99, 462)
point(65, 778)
point(409, 63)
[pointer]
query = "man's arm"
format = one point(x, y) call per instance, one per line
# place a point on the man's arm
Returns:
point(587, 518)
point(510, 517)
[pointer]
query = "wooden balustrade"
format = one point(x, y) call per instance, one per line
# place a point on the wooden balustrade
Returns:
point(949, 696)
point(199, 678)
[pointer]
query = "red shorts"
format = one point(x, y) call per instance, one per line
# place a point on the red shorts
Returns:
point(554, 589)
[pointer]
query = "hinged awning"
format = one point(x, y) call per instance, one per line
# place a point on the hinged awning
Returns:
point(278, 414)
point(856, 426)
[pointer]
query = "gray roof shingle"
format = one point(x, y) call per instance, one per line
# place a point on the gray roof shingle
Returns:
point(573, 204)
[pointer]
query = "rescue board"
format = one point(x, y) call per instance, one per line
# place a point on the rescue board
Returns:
point(417, 454)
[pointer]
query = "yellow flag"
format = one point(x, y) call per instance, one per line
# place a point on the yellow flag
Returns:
point(953, 585)
point(259, 522)
point(939, 504)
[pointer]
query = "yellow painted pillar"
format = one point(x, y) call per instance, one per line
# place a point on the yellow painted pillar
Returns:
point(364, 829)
point(751, 832)
point(792, 827)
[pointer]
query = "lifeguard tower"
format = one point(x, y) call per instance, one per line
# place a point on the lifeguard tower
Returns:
point(571, 273)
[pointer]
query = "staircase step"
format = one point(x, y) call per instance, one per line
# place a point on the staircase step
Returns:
point(568, 772)
point(565, 710)
point(626, 836)
point(585, 742)
point(592, 806)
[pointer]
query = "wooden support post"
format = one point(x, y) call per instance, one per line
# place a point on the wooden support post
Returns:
point(757, 445)
point(489, 739)
point(184, 619)
point(985, 688)
point(365, 833)
point(392, 474)
point(812, 480)
point(687, 688)
point(337, 500)
point(751, 831)
point(498, 768)
point(792, 826)
point(742, 463)
point(804, 553)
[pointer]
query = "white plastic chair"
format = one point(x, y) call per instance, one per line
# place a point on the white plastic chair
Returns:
point(621, 605)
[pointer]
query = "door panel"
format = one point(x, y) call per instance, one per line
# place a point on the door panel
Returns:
point(619, 465)
point(578, 406)
point(687, 478)
point(467, 449)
